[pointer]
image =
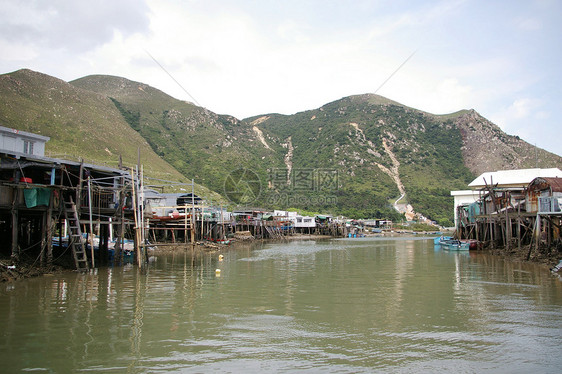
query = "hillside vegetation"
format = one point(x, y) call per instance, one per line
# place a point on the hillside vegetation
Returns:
point(380, 150)
point(356, 156)
point(197, 142)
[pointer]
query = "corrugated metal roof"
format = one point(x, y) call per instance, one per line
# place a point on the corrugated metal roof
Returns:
point(513, 178)
point(57, 161)
point(554, 183)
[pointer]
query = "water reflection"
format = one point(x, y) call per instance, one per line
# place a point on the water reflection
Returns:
point(337, 305)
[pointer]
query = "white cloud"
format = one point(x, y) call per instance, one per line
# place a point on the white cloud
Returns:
point(543, 115)
point(529, 24)
point(17, 52)
point(452, 94)
point(524, 109)
point(293, 31)
point(528, 118)
point(75, 25)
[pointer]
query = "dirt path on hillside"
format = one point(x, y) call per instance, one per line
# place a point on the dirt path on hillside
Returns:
point(394, 173)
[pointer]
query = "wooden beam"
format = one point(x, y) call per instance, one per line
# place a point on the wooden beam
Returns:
point(50, 228)
point(15, 232)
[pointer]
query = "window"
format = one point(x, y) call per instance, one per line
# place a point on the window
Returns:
point(9, 143)
point(28, 147)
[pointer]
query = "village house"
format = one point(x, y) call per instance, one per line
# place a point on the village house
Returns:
point(508, 186)
point(511, 207)
point(544, 195)
point(41, 195)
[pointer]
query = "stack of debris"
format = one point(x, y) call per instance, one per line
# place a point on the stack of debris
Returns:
point(243, 235)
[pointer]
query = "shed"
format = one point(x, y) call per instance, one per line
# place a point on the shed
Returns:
point(322, 219)
point(544, 195)
point(189, 199)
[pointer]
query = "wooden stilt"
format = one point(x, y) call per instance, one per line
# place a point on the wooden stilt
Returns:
point(507, 231)
point(79, 188)
point(537, 232)
point(43, 254)
point(50, 229)
point(185, 223)
point(519, 227)
point(104, 243)
point(15, 219)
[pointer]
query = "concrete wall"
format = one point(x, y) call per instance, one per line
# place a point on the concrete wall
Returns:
point(465, 197)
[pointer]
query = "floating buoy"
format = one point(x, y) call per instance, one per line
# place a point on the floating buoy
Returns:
point(221, 257)
point(218, 272)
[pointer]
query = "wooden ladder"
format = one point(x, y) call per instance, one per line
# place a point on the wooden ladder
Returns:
point(273, 234)
point(75, 239)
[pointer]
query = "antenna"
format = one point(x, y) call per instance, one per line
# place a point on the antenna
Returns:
point(395, 71)
point(171, 76)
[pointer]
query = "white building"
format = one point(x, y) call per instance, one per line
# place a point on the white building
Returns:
point(299, 222)
point(304, 222)
point(284, 213)
point(18, 142)
point(464, 197)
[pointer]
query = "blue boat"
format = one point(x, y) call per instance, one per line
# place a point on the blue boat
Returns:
point(350, 235)
point(437, 240)
point(454, 244)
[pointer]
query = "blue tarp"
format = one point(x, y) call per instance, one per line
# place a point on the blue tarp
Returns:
point(473, 211)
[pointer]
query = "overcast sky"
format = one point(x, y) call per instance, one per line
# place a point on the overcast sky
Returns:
point(250, 57)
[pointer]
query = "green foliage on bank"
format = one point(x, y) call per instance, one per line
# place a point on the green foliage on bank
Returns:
point(417, 227)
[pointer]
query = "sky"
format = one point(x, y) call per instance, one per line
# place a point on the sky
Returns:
point(251, 57)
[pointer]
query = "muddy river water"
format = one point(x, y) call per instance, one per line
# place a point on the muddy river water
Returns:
point(331, 306)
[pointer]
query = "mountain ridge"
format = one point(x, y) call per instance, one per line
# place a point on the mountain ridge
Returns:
point(377, 150)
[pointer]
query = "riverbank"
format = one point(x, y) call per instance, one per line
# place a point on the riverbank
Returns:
point(10, 272)
point(546, 256)
point(234, 243)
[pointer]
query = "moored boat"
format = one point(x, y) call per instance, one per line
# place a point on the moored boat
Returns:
point(438, 239)
point(454, 245)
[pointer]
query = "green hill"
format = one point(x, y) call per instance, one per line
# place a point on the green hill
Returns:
point(379, 150)
point(80, 123)
point(197, 142)
point(362, 156)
